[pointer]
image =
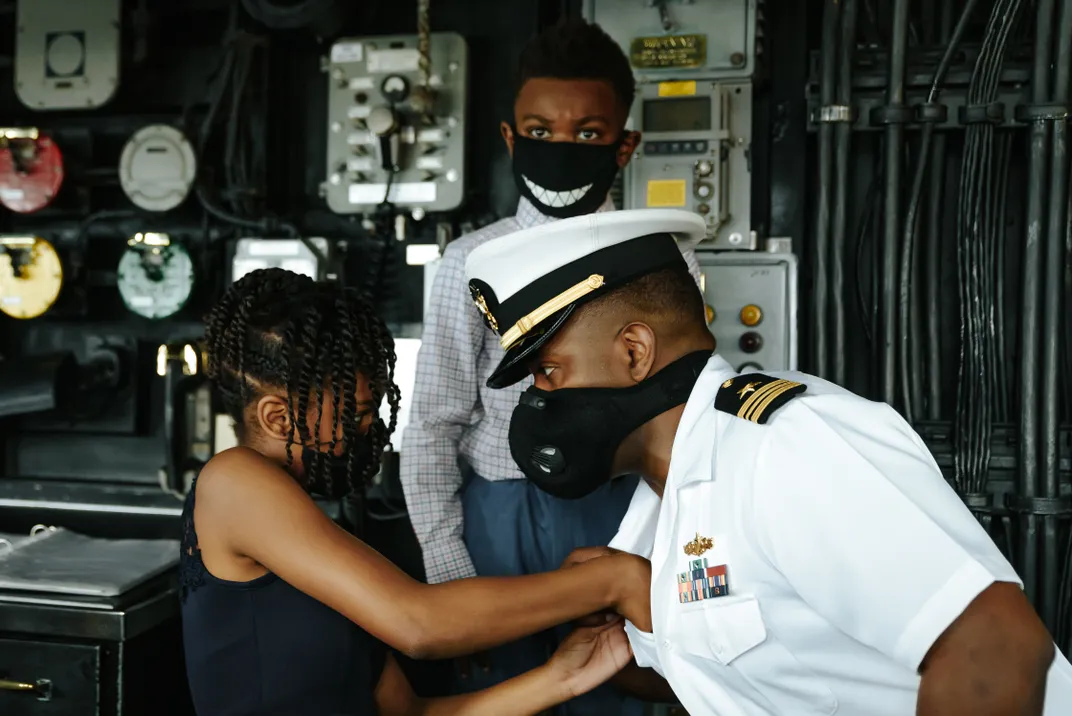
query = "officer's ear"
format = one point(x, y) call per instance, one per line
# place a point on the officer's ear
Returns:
point(638, 339)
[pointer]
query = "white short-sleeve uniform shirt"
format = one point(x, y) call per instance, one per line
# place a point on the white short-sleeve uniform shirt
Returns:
point(843, 553)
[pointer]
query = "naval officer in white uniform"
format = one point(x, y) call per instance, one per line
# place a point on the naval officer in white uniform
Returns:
point(807, 555)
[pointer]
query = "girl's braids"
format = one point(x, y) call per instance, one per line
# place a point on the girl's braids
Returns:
point(277, 330)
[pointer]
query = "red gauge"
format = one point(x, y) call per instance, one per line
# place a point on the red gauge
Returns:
point(31, 170)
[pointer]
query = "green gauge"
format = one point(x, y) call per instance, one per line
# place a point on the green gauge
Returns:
point(156, 276)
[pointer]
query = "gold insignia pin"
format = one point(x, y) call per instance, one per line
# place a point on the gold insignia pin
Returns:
point(698, 546)
point(480, 303)
point(728, 383)
point(748, 389)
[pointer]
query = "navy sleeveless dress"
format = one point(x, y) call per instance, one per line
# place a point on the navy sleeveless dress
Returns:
point(264, 648)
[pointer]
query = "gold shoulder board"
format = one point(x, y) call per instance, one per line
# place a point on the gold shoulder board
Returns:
point(755, 397)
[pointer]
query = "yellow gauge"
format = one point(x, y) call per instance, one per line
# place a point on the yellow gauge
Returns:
point(31, 276)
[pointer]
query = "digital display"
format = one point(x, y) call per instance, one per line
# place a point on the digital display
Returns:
point(682, 114)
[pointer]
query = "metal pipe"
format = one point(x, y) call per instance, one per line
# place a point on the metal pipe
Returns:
point(820, 288)
point(932, 265)
point(933, 273)
point(1031, 263)
point(842, 145)
point(895, 97)
point(1052, 309)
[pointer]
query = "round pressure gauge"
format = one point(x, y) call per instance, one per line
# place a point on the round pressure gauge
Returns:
point(31, 276)
point(31, 170)
point(155, 276)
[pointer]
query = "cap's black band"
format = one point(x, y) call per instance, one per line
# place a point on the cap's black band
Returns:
point(618, 265)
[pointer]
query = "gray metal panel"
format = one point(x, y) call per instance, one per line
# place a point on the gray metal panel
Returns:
point(67, 53)
point(432, 175)
point(727, 147)
point(728, 25)
point(733, 280)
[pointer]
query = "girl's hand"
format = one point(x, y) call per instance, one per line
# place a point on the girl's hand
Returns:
point(590, 656)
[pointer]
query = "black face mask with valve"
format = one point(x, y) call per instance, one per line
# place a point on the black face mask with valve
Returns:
point(565, 440)
point(328, 475)
point(564, 179)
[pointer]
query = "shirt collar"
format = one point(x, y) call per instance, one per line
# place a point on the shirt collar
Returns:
point(692, 455)
point(691, 460)
point(528, 215)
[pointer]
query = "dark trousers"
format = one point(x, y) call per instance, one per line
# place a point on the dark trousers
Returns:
point(514, 528)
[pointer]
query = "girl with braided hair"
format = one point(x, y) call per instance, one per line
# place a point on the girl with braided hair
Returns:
point(283, 611)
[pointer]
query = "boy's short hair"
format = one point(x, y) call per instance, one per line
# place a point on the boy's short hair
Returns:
point(574, 49)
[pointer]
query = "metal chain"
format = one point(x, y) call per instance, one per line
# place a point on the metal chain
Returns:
point(424, 63)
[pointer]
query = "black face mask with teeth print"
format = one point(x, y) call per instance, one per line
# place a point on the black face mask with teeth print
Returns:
point(564, 179)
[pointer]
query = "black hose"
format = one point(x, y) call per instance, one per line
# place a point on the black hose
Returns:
point(820, 288)
point(842, 146)
point(895, 98)
point(908, 247)
point(1053, 260)
point(1031, 266)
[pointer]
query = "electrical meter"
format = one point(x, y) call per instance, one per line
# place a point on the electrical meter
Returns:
point(397, 124)
point(694, 155)
point(31, 169)
point(155, 276)
point(31, 276)
point(66, 53)
point(290, 254)
point(681, 39)
point(157, 168)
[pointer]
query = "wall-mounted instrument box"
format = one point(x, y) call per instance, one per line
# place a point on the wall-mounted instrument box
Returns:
point(396, 123)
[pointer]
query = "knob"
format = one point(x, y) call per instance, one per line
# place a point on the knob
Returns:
point(382, 121)
point(751, 342)
point(703, 190)
point(751, 315)
point(704, 168)
point(703, 209)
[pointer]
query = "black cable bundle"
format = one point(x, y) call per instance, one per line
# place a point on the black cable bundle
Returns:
point(910, 370)
point(980, 379)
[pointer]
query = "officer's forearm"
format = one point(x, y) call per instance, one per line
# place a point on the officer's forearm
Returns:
point(644, 684)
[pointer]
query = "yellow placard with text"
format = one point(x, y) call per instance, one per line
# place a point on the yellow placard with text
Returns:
point(667, 193)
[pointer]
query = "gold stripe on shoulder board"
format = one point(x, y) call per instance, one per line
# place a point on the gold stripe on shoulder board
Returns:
point(761, 399)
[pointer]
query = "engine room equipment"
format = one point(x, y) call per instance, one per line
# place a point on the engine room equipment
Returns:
point(290, 254)
point(155, 276)
point(31, 276)
point(694, 155)
point(36, 385)
point(681, 39)
point(67, 53)
point(751, 302)
point(157, 168)
point(31, 169)
point(397, 123)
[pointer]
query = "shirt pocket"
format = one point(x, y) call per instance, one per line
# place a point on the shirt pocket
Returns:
point(731, 631)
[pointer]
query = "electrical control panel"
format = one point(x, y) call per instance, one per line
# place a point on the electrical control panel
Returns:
point(397, 123)
point(681, 39)
point(694, 155)
point(751, 302)
point(66, 53)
